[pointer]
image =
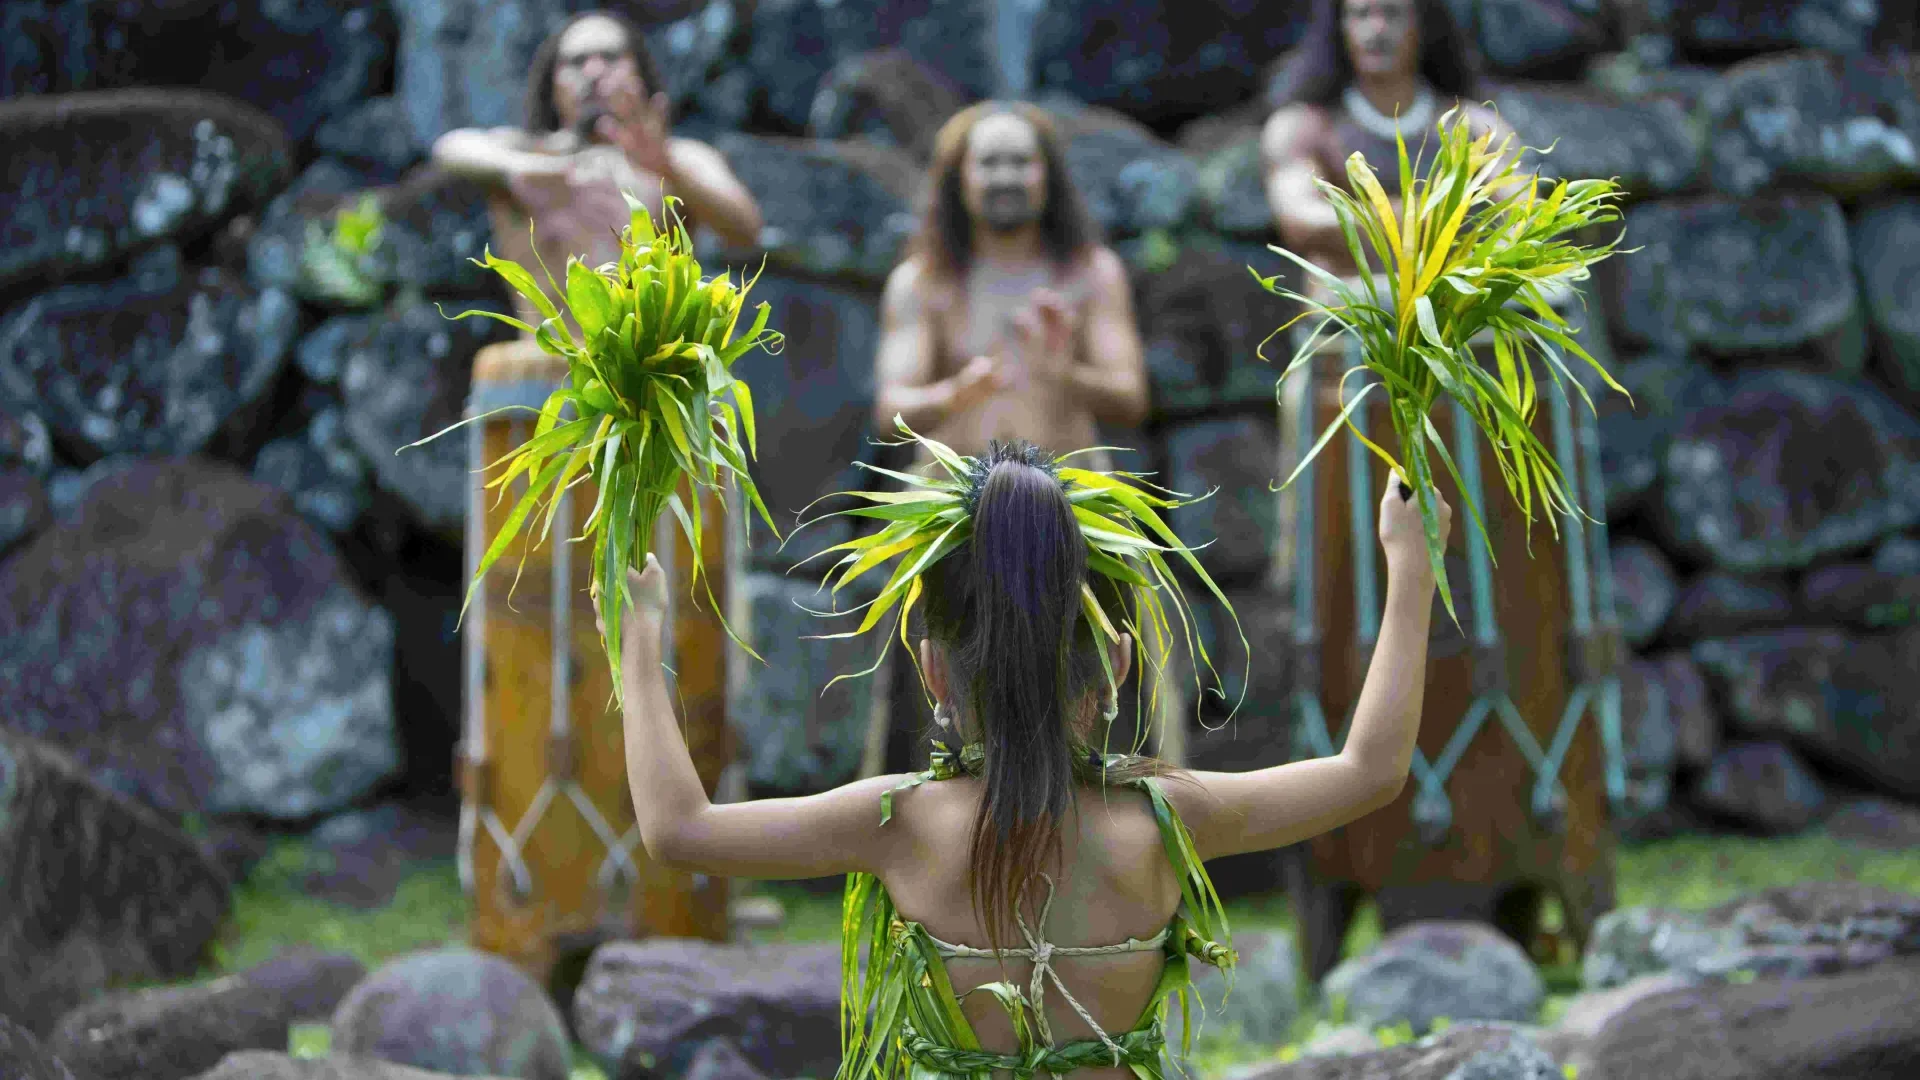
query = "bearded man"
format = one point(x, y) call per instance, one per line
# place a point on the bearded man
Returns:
point(596, 126)
point(1009, 319)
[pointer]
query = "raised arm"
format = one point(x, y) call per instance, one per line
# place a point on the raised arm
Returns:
point(836, 832)
point(1231, 813)
point(492, 156)
point(715, 196)
point(1305, 220)
point(904, 371)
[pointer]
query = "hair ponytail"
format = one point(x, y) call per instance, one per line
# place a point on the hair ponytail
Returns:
point(1006, 608)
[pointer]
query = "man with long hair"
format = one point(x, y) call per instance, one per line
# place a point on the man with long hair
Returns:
point(596, 125)
point(1009, 318)
point(1364, 68)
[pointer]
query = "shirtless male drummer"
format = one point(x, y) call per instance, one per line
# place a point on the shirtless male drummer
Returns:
point(596, 125)
point(1009, 318)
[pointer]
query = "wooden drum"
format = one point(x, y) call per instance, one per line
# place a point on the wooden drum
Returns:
point(549, 853)
point(1519, 744)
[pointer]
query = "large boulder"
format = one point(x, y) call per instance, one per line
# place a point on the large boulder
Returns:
point(797, 739)
point(1132, 181)
point(94, 889)
point(1786, 469)
point(1470, 1051)
point(839, 209)
point(169, 1033)
point(319, 470)
point(1634, 431)
point(454, 1010)
point(359, 859)
point(169, 360)
point(1431, 969)
point(1857, 1024)
point(1684, 696)
point(817, 392)
point(1789, 932)
point(373, 136)
point(1644, 589)
point(197, 644)
point(1737, 277)
point(1207, 322)
point(1842, 124)
point(1714, 29)
point(885, 96)
point(23, 1057)
point(98, 176)
point(407, 378)
point(1876, 823)
point(299, 61)
point(1863, 596)
point(651, 1005)
point(1649, 145)
point(1719, 604)
point(1231, 462)
point(1762, 786)
point(24, 508)
point(1160, 62)
point(1546, 39)
point(1886, 255)
point(1649, 741)
point(308, 982)
point(796, 45)
point(1844, 700)
point(268, 1065)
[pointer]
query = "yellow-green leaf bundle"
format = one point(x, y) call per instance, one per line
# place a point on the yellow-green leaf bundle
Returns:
point(1128, 544)
point(1478, 248)
point(649, 401)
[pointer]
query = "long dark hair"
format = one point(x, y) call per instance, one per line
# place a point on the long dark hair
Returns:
point(541, 116)
point(1319, 68)
point(946, 230)
point(1005, 607)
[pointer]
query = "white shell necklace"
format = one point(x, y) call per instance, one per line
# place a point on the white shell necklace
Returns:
point(1417, 115)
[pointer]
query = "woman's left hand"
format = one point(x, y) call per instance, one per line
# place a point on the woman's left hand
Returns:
point(646, 615)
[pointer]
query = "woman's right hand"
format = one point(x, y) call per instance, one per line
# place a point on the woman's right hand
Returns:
point(1403, 534)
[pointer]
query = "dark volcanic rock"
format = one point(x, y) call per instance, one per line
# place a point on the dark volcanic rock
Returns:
point(1714, 28)
point(1721, 604)
point(1765, 275)
point(657, 1001)
point(454, 1010)
point(1132, 181)
point(406, 379)
point(1162, 63)
point(1788, 468)
point(462, 63)
point(1789, 931)
point(364, 855)
point(1859, 1025)
point(885, 96)
point(160, 362)
point(93, 177)
point(795, 738)
point(24, 509)
point(1634, 432)
point(22, 1057)
point(1237, 457)
point(1547, 39)
point(1650, 145)
point(170, 1033)
point(266, 1065)
point(94, 889)
point(1845, 700)
point(195, 643)
point(1886, 254)
point(299, 62)
point(1690, 707)
point(1644, 589)
point(373, 135)
point(1430, 969)
point(1843, 124)
point(1649, 739)
point(1764, 786)
point(1475, 1050)
point(837, 209)
point(308, 982)
point(1206, 324)
point(1233, 192)
point(25, 444)
point(817, 392)
point(797, 43)
point(1861, 595)
point(319, 471)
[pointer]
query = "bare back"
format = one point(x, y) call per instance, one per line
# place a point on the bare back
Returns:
point(1113, 882)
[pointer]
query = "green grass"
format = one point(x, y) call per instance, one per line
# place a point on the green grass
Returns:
point(271, 910)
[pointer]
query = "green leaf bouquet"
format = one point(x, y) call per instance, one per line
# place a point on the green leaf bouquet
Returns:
point(649, 401)
point(1478, 248)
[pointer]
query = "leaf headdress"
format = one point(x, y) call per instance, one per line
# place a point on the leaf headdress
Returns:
point(1129, 545)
